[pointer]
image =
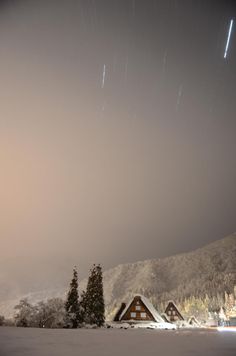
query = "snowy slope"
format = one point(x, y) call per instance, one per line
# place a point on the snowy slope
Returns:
point(211, 270)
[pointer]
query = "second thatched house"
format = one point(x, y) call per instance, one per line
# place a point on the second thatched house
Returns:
point(172, 312)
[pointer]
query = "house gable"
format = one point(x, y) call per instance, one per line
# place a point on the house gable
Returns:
point(137, 310)
point(173, 313)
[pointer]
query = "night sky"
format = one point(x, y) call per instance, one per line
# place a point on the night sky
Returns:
point(117, 129)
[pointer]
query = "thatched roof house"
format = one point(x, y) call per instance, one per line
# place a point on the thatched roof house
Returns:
point(139, 309)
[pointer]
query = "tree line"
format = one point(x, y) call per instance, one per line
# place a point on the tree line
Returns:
point(78, 309)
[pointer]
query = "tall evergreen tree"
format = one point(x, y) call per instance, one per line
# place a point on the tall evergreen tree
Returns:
point(72, 302)
point(83, 305)
point(93, 300)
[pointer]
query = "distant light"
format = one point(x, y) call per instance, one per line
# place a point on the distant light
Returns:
point(227, 328)
point(228, 39)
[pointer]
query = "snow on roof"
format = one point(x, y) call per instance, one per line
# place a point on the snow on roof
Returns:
point(194, 319)
point(171, 301)
point(165, 316)
point(126, 308)
point(149, 306)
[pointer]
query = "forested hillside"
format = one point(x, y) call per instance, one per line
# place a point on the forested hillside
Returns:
point(198, 281)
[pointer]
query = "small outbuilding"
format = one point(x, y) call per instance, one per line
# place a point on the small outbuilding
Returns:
point(172, 312)
point(139, 309)
point(119, 312)
point(194, 322)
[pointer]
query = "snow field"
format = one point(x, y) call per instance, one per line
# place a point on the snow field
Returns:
point(114, 342)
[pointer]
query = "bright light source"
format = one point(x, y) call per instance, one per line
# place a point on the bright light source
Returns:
point(226, 328)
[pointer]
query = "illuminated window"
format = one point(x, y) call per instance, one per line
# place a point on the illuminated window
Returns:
point(138, 307)
point(143, 315)
point(133, 315)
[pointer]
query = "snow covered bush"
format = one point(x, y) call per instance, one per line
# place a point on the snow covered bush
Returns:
point(50, 314)
point(26, 314)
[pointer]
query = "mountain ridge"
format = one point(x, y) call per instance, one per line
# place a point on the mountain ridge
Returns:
point(175, 277)
point(210, 270)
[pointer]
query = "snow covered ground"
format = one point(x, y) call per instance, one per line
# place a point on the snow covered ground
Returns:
point(114, 342)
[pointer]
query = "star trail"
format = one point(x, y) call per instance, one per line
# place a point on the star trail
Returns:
point(228, 38)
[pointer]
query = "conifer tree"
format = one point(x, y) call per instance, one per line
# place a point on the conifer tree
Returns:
point(72, 302)
point(93, 299)
point(83, 307)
